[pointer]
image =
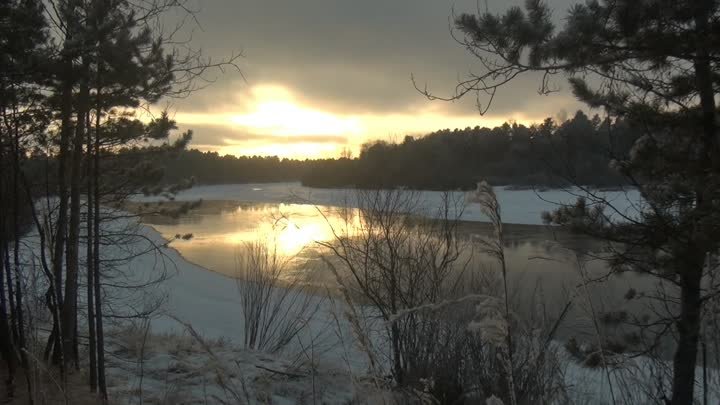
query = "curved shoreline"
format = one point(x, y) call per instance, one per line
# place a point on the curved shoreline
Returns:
point(179, 253)
point(513, 231)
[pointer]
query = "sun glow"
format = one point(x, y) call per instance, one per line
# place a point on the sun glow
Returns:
point(287, 239)
point(277, 112)
point(271, 120)
point(295, 227)
point(292, 150)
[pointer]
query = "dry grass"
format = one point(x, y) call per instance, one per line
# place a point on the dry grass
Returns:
point(76, 391)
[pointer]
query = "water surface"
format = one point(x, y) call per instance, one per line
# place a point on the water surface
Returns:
point(542, 260)
point(545, 268)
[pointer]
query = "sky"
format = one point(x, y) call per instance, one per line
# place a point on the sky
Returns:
point(323, 76)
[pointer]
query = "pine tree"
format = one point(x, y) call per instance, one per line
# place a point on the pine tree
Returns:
point(23, 37)
point(653, 63)
point(68, 99)
point(126, 67)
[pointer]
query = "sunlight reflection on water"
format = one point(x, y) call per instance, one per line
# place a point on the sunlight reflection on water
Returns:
point(220, 230)
point(540, 260)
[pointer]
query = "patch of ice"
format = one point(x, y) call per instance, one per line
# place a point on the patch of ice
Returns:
point(518, 206)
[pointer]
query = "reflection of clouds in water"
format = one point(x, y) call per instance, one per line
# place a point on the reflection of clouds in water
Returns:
point(540, 261)
point(287, 228)
point(220, 229)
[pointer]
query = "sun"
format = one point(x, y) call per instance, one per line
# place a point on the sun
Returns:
point(275, 120)
point(276, 111)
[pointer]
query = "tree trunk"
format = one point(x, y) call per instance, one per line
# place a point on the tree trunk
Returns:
point(47, 270)
point(689, 322)
point(69, 309)
point(92, 349)
point(61, 223)
point(96, 251)
point(10, 290)
point(8, 192)
point(7, 349)
point(19, 311)
point(688, 327)
point(16, 231)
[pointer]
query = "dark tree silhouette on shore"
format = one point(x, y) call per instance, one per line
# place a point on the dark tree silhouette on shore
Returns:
point(653, 64)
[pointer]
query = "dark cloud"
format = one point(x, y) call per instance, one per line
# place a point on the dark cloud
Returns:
point(349, 56)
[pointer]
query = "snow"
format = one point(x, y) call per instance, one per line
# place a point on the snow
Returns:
point(210, 303)
point(182, 368)
point(177, 365)
point(518, 206)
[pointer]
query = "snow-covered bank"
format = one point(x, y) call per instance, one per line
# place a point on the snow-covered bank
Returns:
point(518, 206)
point(168, 365)
point(170, 368)
point(211, 304)
point(330, 368)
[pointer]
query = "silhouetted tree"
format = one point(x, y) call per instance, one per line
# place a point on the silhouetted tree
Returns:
point(23, 34)
point(442, 160)
point(69, 136)
point(654, 64)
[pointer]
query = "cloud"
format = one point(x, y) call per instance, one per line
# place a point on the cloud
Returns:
point(354, 59)
point(356, 55)
point(239, 139)
point(275, 115)
point(219, 135)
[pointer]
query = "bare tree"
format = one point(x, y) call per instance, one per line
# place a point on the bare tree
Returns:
point(456, 337)
point(396, 259)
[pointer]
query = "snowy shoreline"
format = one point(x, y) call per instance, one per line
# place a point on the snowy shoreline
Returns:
point(209, 301)
point(518, 206)
point(205, 300)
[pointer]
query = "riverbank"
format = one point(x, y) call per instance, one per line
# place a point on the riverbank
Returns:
point(210, 304)
point(518, 206)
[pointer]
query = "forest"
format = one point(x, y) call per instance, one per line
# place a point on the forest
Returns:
point(550, 154)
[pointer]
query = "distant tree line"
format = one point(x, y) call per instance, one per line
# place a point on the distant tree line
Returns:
point(549, 154)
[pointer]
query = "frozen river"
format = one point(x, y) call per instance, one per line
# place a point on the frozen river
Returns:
point(293, 219)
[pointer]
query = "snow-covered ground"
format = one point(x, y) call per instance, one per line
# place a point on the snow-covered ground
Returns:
point(177, 366)
point(181, 368)
point(324, 365)
point(210, 303)
point(337, 371)
point(518, 206)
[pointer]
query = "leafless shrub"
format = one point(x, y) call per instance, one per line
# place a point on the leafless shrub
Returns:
point(444, 339)
point(274, 309)
point(395, 259)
